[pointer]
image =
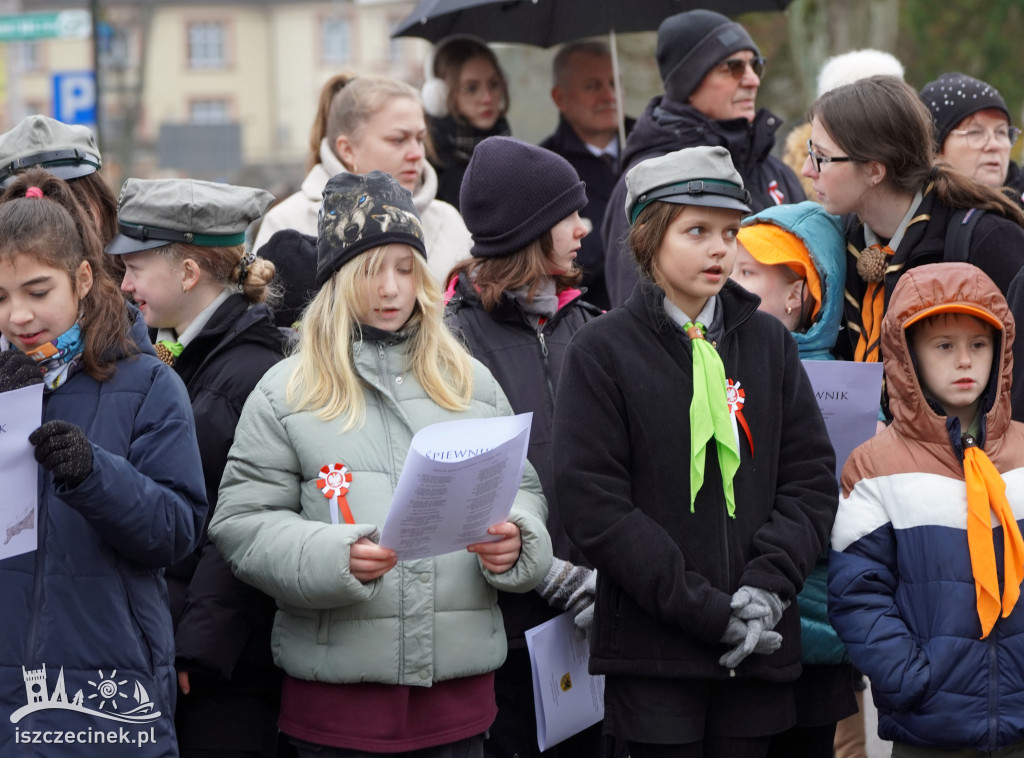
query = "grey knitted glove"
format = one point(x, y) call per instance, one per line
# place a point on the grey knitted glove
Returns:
point(568, 587)
point(755, 639)
point(17, 370)
point(753, 602)
point(63, 448)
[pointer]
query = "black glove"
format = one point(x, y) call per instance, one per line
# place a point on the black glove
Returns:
point(63, 449)
point(17, 370)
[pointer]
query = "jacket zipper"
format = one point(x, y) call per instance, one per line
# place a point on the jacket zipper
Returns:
point(40, 572)
point(547, 365)
point(993, 697)
point(389, 387)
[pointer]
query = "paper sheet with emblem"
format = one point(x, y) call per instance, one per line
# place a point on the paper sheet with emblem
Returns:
point(459, 478)
point(20, 414)
point(566, 697)
point(848, 394)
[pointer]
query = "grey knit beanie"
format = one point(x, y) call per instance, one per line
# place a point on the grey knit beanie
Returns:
point(690, 44)
point(513, 192)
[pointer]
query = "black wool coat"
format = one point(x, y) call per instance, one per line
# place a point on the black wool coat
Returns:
point(622, 432)
point(222, 625)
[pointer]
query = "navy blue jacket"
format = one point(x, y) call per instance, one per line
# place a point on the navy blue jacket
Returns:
point(666, 126)
point(92, 599)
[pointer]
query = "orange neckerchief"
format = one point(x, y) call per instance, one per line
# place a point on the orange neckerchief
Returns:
point(986, 491)
point(871, 265)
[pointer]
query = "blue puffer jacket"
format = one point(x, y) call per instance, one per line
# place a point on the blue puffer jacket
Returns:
point(902, 593)
point(822, 235)
point(91, 604)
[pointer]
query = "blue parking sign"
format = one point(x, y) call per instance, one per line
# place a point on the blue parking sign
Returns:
point(74, 97)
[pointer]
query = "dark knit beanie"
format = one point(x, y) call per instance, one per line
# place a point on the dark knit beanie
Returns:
point(294, 257)
point(513, 192)
point(954, 96)
point(361, 212)
point(691, 44)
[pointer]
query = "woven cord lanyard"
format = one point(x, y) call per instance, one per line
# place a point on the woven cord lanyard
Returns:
point(871, 266)
point(986, 492)
point(710, 417)
point(168, 351)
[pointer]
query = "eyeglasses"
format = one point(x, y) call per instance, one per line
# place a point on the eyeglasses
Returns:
point(738, 66)
point(977, 137)
point(476, 89)
point(818, 160)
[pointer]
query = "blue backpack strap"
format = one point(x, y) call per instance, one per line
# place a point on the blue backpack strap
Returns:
point(958, 234)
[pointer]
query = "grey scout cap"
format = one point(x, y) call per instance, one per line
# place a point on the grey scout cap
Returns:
point(156, 212)
point(691, 176)
point(66, 151)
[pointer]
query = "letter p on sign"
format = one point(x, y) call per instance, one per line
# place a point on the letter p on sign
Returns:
point(74, 97)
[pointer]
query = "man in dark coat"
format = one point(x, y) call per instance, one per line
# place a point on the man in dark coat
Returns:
point(588, 137)
point(710, 69)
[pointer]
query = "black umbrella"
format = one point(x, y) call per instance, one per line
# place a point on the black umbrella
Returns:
point(550, 22)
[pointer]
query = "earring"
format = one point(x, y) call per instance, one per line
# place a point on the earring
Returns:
point(789, 309)
point(183, 290)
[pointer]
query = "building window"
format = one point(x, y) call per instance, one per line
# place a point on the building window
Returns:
point(213, 111)
point(207, 44)
point(335, 40)
point(27, 56)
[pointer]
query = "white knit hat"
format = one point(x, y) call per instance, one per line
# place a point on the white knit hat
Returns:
point(856, 64)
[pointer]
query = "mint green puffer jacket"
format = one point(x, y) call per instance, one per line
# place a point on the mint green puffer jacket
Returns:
point(425, 620)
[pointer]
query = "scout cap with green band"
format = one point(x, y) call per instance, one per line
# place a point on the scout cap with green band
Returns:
point(691, 176)
point(156, 212)
point(65, 150)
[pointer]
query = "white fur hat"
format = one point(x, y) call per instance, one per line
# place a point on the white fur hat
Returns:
point(856, 64)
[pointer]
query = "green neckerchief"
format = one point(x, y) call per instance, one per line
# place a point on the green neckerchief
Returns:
point(709, 417)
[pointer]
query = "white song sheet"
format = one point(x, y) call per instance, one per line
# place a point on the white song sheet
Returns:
point(459, 478)
point(20, 413)
point(848, 394)
point(566, 697)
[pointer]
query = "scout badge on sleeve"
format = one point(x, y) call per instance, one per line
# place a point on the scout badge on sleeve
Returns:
point(334, 481)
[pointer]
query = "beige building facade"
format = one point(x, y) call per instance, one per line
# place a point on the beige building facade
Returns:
point(188, 86)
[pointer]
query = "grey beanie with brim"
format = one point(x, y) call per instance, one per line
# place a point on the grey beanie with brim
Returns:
point(65, 150)
point(692, 176)
point(152, 213)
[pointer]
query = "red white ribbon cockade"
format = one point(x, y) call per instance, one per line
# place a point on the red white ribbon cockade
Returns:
point(736, 397)
point(334, 481)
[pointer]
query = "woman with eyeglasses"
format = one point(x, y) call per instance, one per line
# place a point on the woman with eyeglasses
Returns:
point(973, 133)
point(466, 96)
point(870, 157)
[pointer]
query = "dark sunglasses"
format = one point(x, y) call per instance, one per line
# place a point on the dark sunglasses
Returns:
point(738, 66)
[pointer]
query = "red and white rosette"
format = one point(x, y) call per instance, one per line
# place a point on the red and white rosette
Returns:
point(334, 481)
point(736, 397)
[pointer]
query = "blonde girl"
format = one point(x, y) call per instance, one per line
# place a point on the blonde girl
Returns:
point(405, 649)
